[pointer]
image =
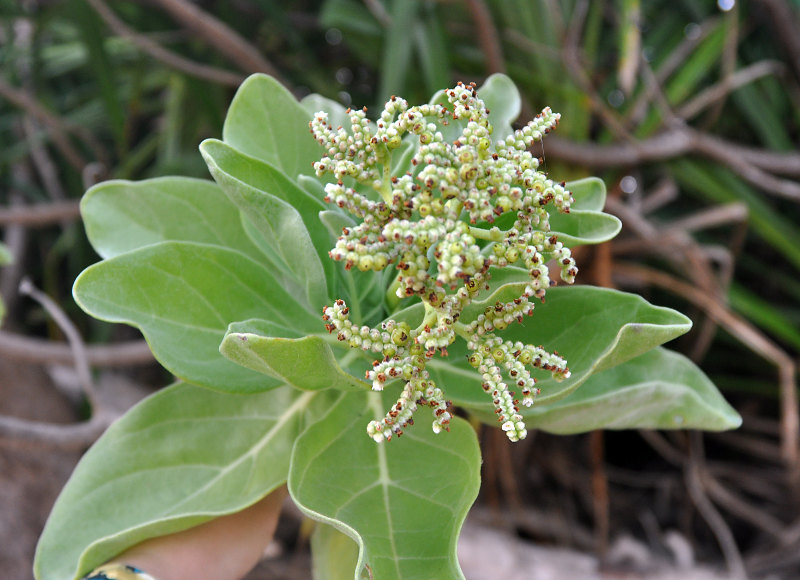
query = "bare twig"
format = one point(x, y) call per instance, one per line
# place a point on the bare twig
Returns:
point(488, 38)
point(739, 507)
point(600, 499)
point(785, 24)
point(669, 144)
point(718, 215)
point(572, 58)
point(675, 59)
point(678, 142)
point(723, 88)
point(663, 447)
point(76, 344)
point(58, 129)
point(15, 432)
point(160, 53)
point(21, 432)
point(42, 214)
point(710, 514)
point(47, 170)
point(33, 350)
point(714, 149)
point(215, 32)
point(748, 335)
point(662, 193)
point(727, 63)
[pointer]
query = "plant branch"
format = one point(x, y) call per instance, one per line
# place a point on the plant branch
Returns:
point(57, 128)
point(76, 344)
point(747, 334)
point(723, 88)
point(715, 521)
point(16, 432)
point(785, 23)
point(160, 53)
point(488, 38)
point(681, 141)
point(226, 40)
point(34, 350)
point(42, 214)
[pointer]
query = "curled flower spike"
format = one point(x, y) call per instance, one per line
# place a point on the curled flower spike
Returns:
point(438, 226)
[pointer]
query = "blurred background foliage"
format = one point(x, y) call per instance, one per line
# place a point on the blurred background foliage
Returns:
point(690, 112)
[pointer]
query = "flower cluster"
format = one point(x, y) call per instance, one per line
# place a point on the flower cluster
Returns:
point(438, 225)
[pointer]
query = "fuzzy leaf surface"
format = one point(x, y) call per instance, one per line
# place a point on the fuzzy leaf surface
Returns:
point(585, 223)
point(121, 216)
point(286, 215)
point(182, 296)
point(657, 390)
point(593, 328)
point(266, 122)
point(179, 458)
point(304, 362)
point(403, 503)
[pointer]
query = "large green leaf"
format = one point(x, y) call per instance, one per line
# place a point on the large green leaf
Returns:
point(585, 223)
point(181, 457)
point(182, 296)
point(286, 215)
point(593, 328)
point(503, 100)
point(305, 362)
point(266, 122)
point(120, 216)
point(403, 502)
point(657, 390)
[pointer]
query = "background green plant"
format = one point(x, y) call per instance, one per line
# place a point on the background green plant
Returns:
point(167, 111)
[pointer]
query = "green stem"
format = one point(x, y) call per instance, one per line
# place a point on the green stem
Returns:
point(385, 190)
point(430, 315)
point(462, 330)
point(493, 235)
point(355, 307)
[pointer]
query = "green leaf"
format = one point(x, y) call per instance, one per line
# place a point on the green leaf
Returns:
point(286, 215)
point(593, 328)
point(589, 193)
point(304, 362)
point(334, 554)
point(266, 122)
point(337, 113)
point(216, 454)
point(585, 227)
point(503, 100)
point(403, 502)
point(585, 223)
point(182, 296)
point(121, 216)
point(657, 390)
